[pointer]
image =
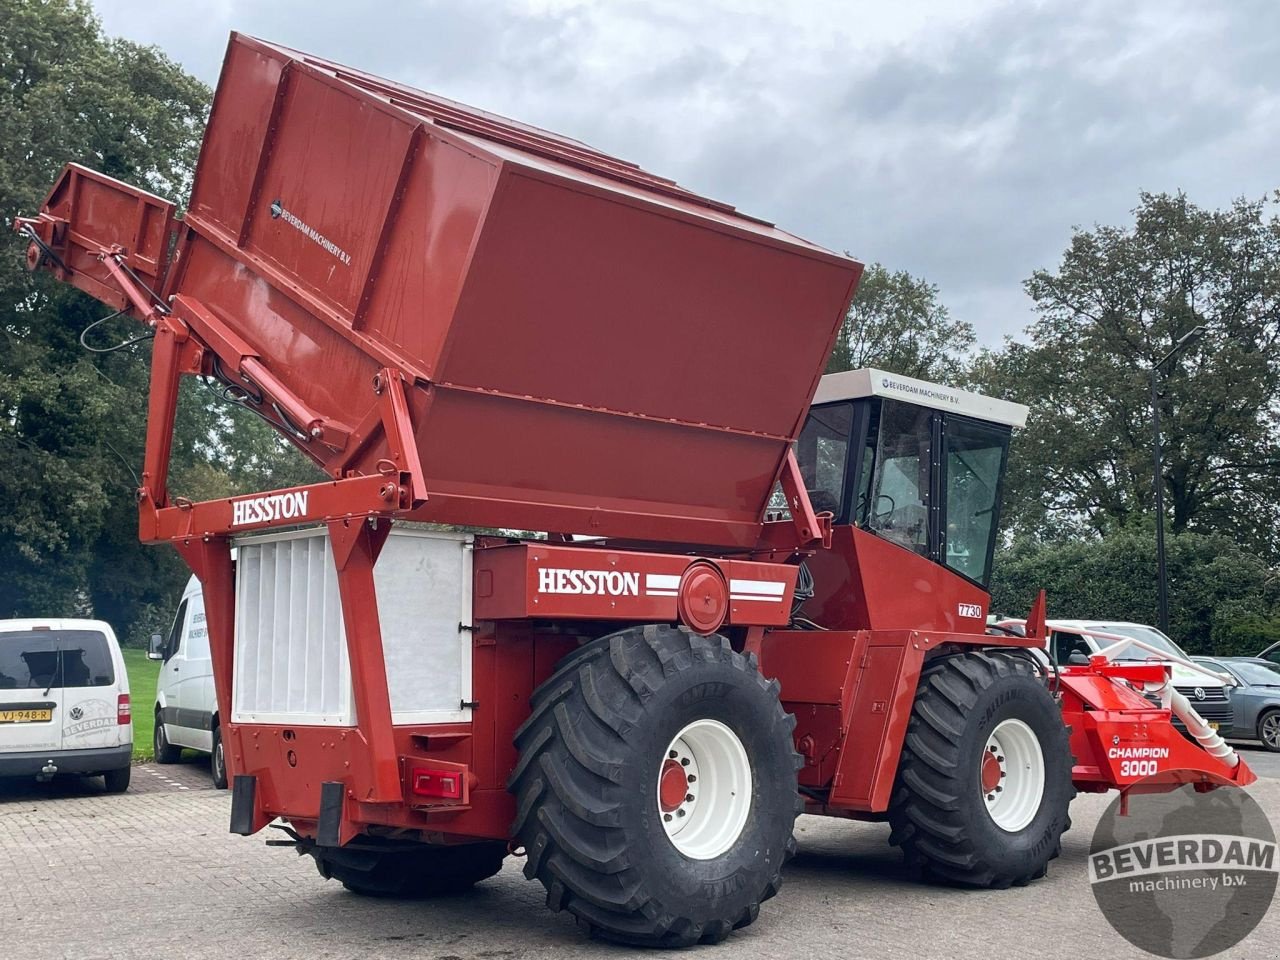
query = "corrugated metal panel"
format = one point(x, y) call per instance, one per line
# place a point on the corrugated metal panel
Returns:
point(291, 654)
point(291, 662)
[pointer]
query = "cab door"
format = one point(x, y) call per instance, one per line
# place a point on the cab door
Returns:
point(31, 693)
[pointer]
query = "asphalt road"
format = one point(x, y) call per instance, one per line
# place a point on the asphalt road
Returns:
point(154, 873)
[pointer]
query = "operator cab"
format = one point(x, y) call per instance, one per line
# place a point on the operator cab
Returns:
point(916, 463)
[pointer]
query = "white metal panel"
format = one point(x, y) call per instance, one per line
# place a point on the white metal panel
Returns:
point(423, 582)
point(291, 663)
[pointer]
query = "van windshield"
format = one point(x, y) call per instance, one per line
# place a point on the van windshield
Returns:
point(37, 659)
point(1148, 635)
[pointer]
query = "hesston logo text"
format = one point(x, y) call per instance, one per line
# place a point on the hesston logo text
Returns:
point(276, 506)
point(613, 583)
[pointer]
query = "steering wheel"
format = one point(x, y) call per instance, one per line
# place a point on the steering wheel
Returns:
point(876, 513)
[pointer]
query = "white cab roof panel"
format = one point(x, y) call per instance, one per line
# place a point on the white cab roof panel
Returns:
point(869, 382)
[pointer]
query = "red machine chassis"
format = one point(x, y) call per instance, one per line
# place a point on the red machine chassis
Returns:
point(851, 689)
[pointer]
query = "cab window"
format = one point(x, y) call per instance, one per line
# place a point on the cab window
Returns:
point(897, 506)
point(974, 463)
point(175, 632)
point(823, 455)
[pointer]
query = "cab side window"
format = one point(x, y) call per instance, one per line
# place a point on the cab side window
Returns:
point(823, 453)
point(175, 632)
point(974, 461)
point(898, 503)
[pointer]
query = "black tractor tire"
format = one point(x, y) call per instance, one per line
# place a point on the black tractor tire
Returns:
point(164, 750)
point(938, 813)
point(117, 781)
point(587, 807)
point(218, 761)
point(408, 870)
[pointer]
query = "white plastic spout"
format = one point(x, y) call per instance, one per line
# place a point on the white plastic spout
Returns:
point(1205, 735)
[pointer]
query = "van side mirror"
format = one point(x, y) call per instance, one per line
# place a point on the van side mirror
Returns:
point(156, 650)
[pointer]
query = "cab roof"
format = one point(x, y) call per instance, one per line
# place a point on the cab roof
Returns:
point(870, 382)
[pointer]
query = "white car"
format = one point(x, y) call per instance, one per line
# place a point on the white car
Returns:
point(1210, 697)
point(186, 706)
point(64, 701)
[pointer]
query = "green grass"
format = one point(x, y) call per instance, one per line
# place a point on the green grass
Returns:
point(143, 675)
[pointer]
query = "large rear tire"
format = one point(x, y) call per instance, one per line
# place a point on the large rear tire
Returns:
point(984, 783)
point(656, 788)
point(408, 870)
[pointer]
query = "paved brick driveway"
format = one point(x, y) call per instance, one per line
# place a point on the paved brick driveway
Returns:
point(155, 874)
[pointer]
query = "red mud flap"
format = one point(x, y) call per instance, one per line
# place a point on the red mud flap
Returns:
point(1122, 741)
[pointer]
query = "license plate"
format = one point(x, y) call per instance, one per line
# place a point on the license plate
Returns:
point(1212, 725)
point(42, 715)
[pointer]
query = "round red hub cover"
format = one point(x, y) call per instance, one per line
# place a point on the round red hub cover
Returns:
point(673, 785)
point(990, 772)
point(704, 598)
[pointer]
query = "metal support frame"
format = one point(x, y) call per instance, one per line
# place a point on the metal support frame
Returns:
point(356, 545)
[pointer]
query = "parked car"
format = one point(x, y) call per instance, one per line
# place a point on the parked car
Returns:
point(64, 702)
point(1272, 654)
point(186, 707)
point(1210, 697)
point(1256, 703)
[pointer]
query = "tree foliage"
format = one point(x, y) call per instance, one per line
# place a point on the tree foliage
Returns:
point(72, 423)
point(898, 323)
point(1116, 304)
point(1223, 598)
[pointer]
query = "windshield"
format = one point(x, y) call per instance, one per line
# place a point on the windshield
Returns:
point(40, 659)
point(1148, 635)
point(1258, 674)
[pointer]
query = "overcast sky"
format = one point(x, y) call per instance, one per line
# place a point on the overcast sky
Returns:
point(958, 139)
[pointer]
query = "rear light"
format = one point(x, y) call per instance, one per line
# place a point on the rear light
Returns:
point(124, 711)
point(433, 782)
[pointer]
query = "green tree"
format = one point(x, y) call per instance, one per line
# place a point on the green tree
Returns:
point(1117, 302)
point(896, 322)
point(72, 423)
point(1223, 598)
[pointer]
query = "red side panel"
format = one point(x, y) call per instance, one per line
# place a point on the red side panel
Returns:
point(865, 582)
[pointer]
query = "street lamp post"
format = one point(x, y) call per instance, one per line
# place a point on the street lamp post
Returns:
point(1162, 580)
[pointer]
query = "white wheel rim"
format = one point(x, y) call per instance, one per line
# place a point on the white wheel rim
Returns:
point(1271, 730)
point(1011, 775)
point(710, 816)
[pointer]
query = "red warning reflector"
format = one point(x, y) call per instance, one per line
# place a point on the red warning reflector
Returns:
point(431, 782)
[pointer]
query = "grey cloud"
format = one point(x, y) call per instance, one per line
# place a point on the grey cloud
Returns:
point(963, 151)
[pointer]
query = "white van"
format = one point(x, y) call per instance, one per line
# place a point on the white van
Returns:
point(1210, 697)
point(186, 707)
point(64, 701)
